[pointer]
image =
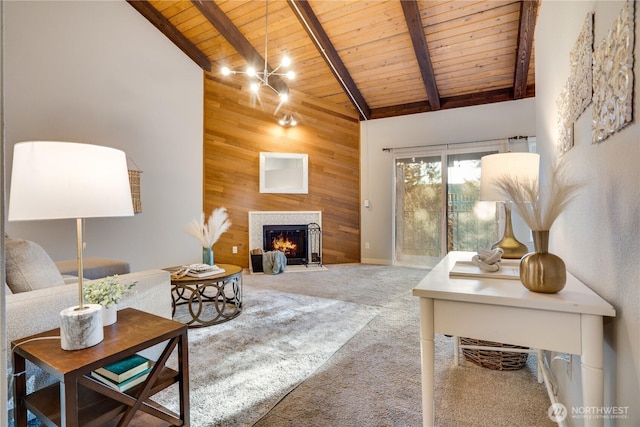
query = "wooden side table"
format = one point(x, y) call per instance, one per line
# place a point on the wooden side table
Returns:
point(211, 300)
point(78, 399)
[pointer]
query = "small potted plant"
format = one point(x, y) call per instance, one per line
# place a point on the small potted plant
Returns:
point(107, 292)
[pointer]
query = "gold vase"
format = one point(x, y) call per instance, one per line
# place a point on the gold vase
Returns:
point(511, 247)
point(541, 271)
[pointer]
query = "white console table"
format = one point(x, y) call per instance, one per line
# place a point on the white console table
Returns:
point(505, 311)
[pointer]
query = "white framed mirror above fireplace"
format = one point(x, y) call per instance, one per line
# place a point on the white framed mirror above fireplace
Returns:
point(284, 173)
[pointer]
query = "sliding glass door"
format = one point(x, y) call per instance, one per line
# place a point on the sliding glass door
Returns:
point(471, 224)
point(437, 207)
point(419, 212)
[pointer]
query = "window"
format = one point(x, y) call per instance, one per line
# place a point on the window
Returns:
point(436, 203)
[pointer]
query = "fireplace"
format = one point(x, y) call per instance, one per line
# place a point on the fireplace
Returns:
point(286, 220)
point(290, 239)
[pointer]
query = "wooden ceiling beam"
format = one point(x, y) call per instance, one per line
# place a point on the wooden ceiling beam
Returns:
point(421, 49)
point(302, 10)
point(480, 98)
point(230, 32)
point(171, 32)
point(528, 17)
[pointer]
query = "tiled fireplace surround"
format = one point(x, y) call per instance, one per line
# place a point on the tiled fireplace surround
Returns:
point(259, 218)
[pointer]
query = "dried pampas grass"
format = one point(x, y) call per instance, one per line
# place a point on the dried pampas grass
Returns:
point(209, 233)
point(540, 206)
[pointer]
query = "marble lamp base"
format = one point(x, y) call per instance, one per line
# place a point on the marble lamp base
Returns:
point(81, 328)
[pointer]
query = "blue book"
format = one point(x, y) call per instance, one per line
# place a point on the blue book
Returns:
point(126, 384)
point(124, 369)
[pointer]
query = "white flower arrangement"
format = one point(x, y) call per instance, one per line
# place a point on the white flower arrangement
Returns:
point(107, 292)
point(539, 206)
point(209, 233)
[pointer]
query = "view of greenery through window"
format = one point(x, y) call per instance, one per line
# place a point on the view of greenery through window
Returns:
point(469, 228)
point(420, 211)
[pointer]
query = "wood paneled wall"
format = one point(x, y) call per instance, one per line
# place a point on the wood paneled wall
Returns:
point(235, 132)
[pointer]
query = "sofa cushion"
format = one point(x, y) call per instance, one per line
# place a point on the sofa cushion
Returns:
point(29, 267)
point(94, 267)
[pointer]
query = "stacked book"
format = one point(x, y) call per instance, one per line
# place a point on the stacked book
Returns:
point(203, 270)
point(125, 373)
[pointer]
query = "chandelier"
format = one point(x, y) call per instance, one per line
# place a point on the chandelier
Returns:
point(288, 120)
point(261, 78)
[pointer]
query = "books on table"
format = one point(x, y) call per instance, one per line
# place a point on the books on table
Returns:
point(124, 369)
point(205, 273)
point(126, 384)
point(197, 270)
point(509, 269)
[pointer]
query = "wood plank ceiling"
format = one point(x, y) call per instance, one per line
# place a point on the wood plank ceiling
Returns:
point(382, 58)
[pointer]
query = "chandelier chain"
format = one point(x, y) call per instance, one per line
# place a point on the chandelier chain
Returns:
point(266, 42)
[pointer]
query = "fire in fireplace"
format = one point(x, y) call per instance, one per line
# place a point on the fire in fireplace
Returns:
point(290, 239)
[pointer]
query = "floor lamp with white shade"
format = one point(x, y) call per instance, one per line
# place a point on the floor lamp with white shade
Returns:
point(62, 180)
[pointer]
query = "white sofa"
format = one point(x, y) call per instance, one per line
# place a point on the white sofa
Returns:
point(38, 310)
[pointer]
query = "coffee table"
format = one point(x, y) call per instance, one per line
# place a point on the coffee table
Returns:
point(210, 300)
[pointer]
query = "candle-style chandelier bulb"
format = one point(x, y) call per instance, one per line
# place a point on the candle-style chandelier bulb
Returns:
point(288, 120)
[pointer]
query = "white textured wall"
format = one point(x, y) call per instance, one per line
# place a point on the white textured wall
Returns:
point(98, 72)
point(3, 317)
point(487, 122)
point(598, 236)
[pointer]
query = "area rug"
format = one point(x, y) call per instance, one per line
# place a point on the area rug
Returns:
point(374, 380)
point(240, 369)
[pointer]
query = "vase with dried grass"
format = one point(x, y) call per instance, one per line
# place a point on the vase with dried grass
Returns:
point(208, 233)
point(541, 271)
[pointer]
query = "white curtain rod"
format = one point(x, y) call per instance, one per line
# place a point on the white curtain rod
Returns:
point(510, 139)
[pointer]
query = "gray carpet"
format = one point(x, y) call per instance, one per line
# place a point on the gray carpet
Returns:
point(374, 379)
point(240, 369)
point(341, 348)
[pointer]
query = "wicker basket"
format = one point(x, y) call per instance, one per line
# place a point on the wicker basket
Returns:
point(491, 359)
point(134, 182)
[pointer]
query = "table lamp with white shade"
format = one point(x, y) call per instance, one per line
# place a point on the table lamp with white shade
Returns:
point(523, 167)
point(62, 180)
